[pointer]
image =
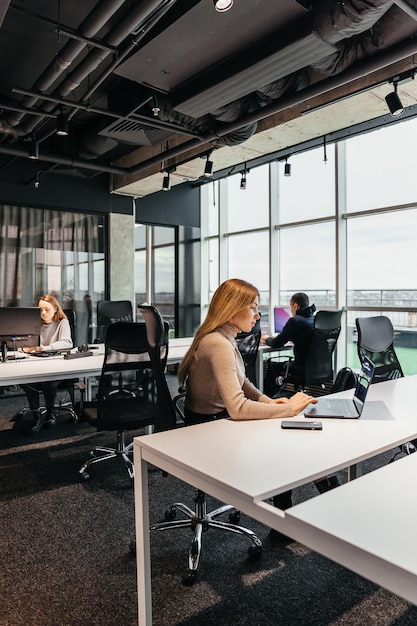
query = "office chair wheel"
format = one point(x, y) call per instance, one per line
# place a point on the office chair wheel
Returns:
point(234, 517)
point(189, 578)
point(85, 476)
point(255, 552)
point(170, 515)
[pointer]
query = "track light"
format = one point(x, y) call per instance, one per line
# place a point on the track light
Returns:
point(62, 123)
point(287, 168)
point(37, 182)
point(209, 167)
point(394, 103)
point(33, 149)
point(156, 109)
point(166, 183)
point(222, 5)
point(243, 180)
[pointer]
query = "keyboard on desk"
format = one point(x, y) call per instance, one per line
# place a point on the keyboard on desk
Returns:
point(16, 356)
point(46, 353)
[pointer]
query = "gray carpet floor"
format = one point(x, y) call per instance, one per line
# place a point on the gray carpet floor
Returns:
point(65, 559)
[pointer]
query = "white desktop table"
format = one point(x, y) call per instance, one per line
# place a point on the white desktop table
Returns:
point(244, 463)
point(38, 369)
point(368, 526)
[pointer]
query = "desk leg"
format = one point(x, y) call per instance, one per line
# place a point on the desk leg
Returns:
point(260, 370)
point(143, 555)
point(354, 471)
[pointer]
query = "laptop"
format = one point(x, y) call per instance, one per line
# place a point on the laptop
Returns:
point(350, 408)
point(47, 353)
point(281, 317)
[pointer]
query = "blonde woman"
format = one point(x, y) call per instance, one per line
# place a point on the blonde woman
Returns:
point(213, 371)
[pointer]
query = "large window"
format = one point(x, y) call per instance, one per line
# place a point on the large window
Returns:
point(380, 168)
point(343, 229)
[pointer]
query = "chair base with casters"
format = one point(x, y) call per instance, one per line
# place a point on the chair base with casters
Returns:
point(122, 451)
point(201, 521)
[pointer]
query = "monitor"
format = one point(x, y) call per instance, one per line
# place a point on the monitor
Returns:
point(281, 317)
point(21, 323)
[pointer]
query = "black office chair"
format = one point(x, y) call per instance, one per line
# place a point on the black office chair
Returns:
point(129, 394)
point(198, 520)
point(110, 311)
point(376, 341)
point(248, 344)
point(319, 369)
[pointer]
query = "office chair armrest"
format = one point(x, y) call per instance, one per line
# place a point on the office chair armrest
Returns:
point(178, 401)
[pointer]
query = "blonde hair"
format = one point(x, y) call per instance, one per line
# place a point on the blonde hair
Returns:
point(59, 313)
point(229, 298)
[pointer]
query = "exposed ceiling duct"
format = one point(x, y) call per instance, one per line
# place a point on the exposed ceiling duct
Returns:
point(152, 83)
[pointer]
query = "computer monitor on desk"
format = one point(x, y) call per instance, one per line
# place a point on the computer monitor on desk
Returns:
point(19, 326)
point(281, 317)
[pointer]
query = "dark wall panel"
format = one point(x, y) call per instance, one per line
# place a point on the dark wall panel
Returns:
point(68, 193)
point(178, 207)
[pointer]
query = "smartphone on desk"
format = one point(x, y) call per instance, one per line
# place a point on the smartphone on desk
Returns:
point(304, 425)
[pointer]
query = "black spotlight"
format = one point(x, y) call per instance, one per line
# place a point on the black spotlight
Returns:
point(287, 168)
point(209, 167)
point(33, 149)
point(166, 183)
point(394, 103)
point(62, 123)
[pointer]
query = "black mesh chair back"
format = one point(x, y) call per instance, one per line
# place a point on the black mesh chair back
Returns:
point(157, 343)
point(72, 320)
point(110, 311)
point(129, 393)
point(319, 364)
point(248, 344)
point(376, 341)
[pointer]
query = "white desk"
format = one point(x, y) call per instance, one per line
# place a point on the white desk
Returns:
point(368, 525)
point(37, 369)
point(244, 463)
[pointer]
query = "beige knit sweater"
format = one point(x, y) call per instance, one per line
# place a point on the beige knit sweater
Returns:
point(216, 381)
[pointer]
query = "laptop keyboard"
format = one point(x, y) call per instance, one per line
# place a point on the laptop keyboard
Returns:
point(345, 407)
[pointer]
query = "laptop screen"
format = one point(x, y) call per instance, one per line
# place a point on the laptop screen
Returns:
point(364, 380)
point(281, 317)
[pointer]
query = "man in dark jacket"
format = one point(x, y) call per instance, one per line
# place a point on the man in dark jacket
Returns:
point(299, 330)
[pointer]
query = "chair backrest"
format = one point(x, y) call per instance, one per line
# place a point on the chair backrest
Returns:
point(110, 311)
point(248, 344)
point(319, 365)
point(376, 341)
point(126, 397)
point(70, 313)
point(157, 340)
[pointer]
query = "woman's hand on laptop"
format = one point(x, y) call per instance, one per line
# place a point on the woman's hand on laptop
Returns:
point(300, 400)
